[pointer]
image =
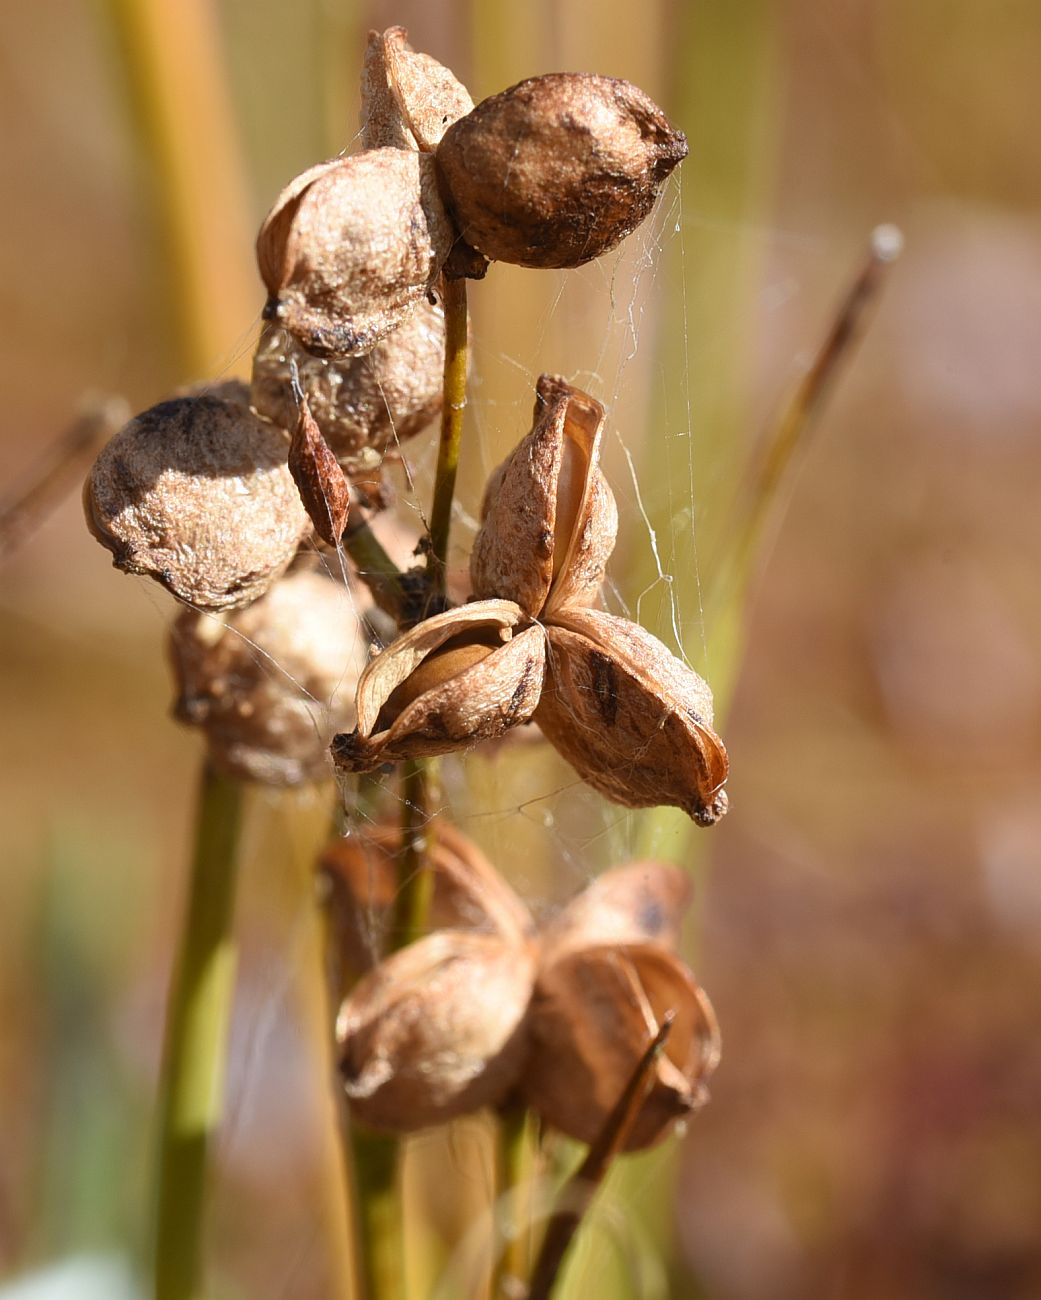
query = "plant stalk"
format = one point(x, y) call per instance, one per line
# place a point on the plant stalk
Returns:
point(199, 1011)
point(451, 428)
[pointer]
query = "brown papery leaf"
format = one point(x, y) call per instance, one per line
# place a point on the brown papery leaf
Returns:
point(317, 474)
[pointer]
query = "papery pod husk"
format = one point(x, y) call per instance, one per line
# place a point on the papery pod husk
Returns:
point(558, 169)
point(633, 721)
point(593, 1013)
point(424, 96)
point(436, 1031)
point(480, 703)
point(268, 685)
point(468, 893)
point(196, 493)
point(548, 518)
point(350, 249)
point(642, 902)
point(366, 406)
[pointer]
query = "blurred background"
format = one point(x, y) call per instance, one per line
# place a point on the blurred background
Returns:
point(869, 915)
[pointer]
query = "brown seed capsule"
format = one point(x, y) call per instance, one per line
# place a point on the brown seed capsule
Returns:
point(196, 493)
point(453, 680)
point(270, 684)
point(435, 1031)
point(558, 169)
point(365, 406)
point(319, 479)
point(640, 902)
point(592, 1015)
point(351, 247)
point(631, 719)
point(548, 519)
point(468, 894)
point(408, 99)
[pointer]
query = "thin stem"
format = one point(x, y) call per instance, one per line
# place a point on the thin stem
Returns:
point(199, 1010)
point(374, 1159)
point(415, 880)
point(391, 589)
point(57, 469)
point(581, 1187)
point(771, 470)
point(454, 405)
point(514, 1176)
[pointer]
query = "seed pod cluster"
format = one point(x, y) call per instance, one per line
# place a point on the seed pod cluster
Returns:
point(552, 172)
point(481, 1009)
point(633, 720)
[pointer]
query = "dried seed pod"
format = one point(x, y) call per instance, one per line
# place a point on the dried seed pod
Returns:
point(270, 684)
point(453, 680)
point(365, 406)
point(549, 519)
point(592, 1015)
point(631, 719)
point(351, 247)
point(558, 169)
point(435, 1031)
point(640, 902)
point(196, 493)
point(468, 894)
point(318, 477)
point(408, 99)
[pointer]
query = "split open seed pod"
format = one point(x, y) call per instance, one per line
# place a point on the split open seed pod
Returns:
point(558, 169)
point(549, 519)
point(351, 247)
point(196, 493)
point(366, 406)
point(632, 720)
point(436, 1031)
point(642, 902)
point(468, 893)
point(268, 685)
point(409, 100)
point(450, 682)
point(593, 1013)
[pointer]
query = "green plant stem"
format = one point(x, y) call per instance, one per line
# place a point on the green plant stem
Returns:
point(389, 586)
point(451, 428)
point(199, 1010)
point(514, 1174)
point(374, 1160)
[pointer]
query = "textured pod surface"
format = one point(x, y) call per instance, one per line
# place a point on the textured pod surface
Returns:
point(351, 247)
point(365, 406)
point(196, 492)
point(435, 1031)
point(633, 721)
point(558, 169)
point(549, 519)
point(494, 689)
point(268, 685)
point(640, 902)
point(408, 99)
point(592, 1016)
point(469, 894)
